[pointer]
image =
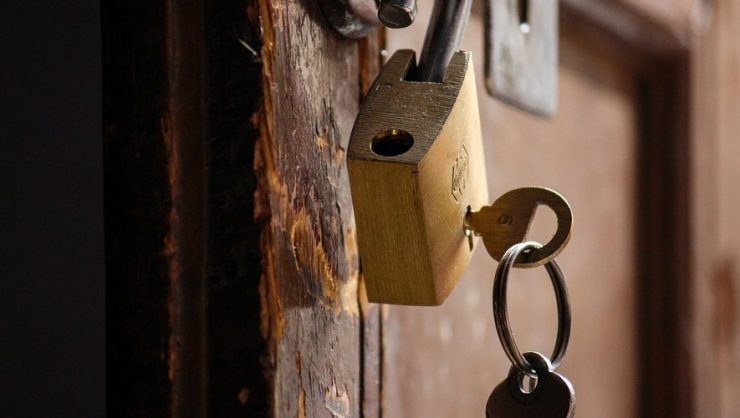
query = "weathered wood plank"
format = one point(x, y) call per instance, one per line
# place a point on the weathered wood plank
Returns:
point(309, 287)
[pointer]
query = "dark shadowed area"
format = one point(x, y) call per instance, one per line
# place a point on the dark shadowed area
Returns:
point(52, 332)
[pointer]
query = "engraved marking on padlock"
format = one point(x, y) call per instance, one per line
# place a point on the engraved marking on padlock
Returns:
point(460, 174)
point(507, 222)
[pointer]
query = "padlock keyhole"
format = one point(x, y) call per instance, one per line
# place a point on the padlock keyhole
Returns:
point(524, 16)
point(392, 142)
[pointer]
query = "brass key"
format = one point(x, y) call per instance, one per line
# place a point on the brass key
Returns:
point(507, 221)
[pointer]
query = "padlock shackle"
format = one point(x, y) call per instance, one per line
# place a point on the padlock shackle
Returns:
point(445, 31)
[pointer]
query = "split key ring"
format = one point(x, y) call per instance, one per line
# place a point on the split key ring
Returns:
point(501, 316)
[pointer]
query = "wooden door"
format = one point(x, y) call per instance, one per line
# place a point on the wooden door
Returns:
point(234, 283)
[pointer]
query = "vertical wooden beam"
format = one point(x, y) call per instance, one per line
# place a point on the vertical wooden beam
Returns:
point(153, 219)
point(237, 383)
point(664, 269)
point(312, 318)
point(182, 88)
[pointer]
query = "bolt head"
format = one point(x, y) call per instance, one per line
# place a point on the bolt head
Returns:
point(397, 14)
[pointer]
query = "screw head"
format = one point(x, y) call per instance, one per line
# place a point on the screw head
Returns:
point(397, 14)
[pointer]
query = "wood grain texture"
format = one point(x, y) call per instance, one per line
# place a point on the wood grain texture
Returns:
point(311, 317)
point(410, 207)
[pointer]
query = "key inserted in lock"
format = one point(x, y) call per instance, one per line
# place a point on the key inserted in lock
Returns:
point(507, 221)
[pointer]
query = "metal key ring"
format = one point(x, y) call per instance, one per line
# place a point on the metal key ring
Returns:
point(501, 316)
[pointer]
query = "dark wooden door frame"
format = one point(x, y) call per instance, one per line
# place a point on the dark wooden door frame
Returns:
point(674, 65)
point(232, 273)
point(182, 261)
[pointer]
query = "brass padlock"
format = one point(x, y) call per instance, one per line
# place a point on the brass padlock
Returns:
point(416, 166)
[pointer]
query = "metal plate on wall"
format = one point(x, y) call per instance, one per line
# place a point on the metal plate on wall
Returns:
point(522, 53)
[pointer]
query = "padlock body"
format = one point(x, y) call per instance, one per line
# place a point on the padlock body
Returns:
point(415, 165)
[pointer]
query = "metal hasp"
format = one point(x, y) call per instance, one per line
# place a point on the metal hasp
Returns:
point(521, 62)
